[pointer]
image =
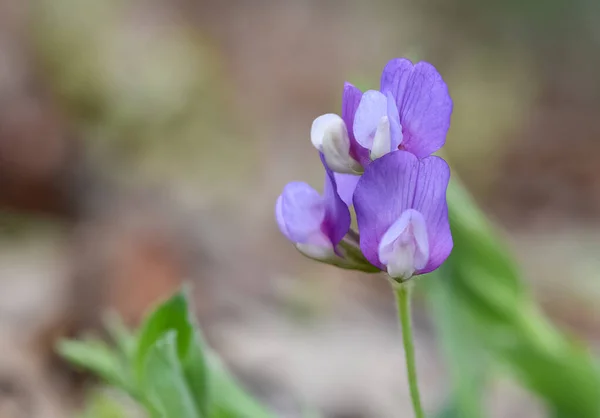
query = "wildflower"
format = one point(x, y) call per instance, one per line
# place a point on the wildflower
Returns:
point(402, 214)
point(377, 156)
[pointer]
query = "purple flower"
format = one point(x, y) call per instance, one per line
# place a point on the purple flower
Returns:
point(377, 157)
point(402, 214)
point(315, 223)
point(411, 112)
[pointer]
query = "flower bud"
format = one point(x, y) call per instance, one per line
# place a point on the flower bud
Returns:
point(330, 136)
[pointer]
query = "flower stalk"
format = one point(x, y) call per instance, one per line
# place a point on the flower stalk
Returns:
point(402, 291)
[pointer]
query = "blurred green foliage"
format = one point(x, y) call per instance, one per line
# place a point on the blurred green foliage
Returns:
point(102, 405)
point(486, 317)
point(165, 366)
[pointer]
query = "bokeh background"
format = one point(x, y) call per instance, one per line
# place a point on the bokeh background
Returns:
point(143, 143)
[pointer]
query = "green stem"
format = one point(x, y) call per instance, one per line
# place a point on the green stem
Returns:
point(402, 292)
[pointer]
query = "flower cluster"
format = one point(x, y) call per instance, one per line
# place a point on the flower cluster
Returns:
point(377, 157)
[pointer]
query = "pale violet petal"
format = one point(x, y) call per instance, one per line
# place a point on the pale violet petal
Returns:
point(372, 107)
point(404, 247)
point(346, 184)
point(382, 139)
point(280, 217)
point(300, 212)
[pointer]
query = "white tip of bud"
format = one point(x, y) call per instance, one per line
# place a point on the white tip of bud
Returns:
point(330, 136)
point(382, 141)
point(317, 252)
point(317, 246)
point(328, 122)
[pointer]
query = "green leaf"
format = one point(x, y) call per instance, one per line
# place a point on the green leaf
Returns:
point(467, 362)
point(196, 374)
point(97, 357)
point(123, 338)
point(229, 400)
point(173, 316)
point(164, 381)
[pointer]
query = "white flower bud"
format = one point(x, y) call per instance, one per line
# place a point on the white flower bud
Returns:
point(330, 136)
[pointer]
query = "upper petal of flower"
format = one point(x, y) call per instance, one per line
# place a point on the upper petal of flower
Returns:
point(423, 101)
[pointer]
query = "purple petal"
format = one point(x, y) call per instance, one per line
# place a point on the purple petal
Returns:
point(430, 201)
point(336, 222)
point(423, 101)
point(383, 193)
point(346, 183)
point(350, 101)
point(281, 218)
point(300, 211)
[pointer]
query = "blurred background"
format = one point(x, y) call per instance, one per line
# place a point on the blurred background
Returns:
point(143, 143)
